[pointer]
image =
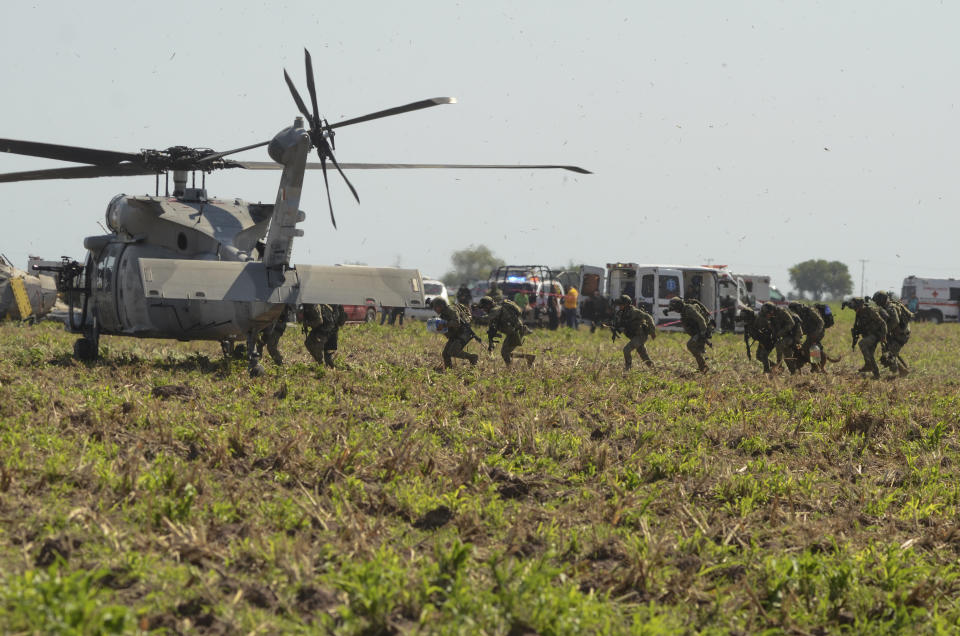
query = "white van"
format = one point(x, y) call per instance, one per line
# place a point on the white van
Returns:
point(760, 290)
point(655, 285)
point(933, 299)
point(431, 289)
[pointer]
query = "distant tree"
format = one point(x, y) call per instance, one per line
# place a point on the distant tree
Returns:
point(471, 263)
point(820, 279)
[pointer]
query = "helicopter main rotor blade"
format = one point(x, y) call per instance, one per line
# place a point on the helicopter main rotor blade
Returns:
point(426, 103)
point(312, 89)
point(296, 96)
point(75, 154)
point(221, 155)
point(77, 172)
point(267, 165)
point(326, 183)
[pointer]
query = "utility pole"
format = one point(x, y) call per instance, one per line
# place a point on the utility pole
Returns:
point(863, 266)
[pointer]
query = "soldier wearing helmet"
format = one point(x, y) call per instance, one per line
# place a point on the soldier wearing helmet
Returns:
point(870, 328)
point(507, 319)
point(637, 325)
point(787, 333)
point(458, 331)
point(813, 329)
point(897, 317)
point(694, 325)
point(760, 332)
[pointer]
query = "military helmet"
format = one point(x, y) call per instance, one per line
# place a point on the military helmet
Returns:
point(767, 308)
point(794, 306)
point(675, 304)
point(747, 315)
point(438, 301)
point(880, 298)
point(486, 301)
point(624, 300)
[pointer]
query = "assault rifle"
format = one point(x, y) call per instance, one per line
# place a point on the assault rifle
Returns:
point(614, 330)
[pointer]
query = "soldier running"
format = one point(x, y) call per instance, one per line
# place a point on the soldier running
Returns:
point(458, 333)
point(637, 325)
point(787, 333)
point(270, 337)
point(813, 329)
point(898, 331)
point(694, 325)
point(760, 332)
point(870, 329)
point(505, 319)
point(322, 325)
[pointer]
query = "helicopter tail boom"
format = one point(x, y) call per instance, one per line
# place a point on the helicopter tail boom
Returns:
point(230, 281)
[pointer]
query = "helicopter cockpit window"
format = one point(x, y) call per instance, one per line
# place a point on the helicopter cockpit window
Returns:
point(182, 241)
point(105, 271)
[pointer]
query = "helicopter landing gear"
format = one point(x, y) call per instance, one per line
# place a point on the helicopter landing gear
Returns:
point(253, 357)
point(87, 348)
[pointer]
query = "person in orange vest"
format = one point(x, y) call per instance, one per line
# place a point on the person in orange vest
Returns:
point(570, 308)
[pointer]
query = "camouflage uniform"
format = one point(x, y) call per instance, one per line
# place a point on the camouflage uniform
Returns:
point(694, 325)
point(787, 332)
point(506, 319)
point(458, 331)
point(637, 325)
point(873, 330)
point(759, 331)
point(897, 317)
point(323, 323)
point(270, 337)
point(813, 328)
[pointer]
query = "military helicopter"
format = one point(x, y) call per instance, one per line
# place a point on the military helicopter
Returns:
point(24, 296)
point(188, 267)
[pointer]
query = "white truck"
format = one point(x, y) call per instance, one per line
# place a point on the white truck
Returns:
point(654, 286)
point(759, 290)
point(933, 299)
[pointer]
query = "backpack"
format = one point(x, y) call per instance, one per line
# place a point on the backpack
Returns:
point(826, 314)
point(648, 325)
point(701, 309)
point(311, 315)
point(904, 315)
point(510, 315)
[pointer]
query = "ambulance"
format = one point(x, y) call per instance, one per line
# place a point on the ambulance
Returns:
point(652, 287)
point(933, 299)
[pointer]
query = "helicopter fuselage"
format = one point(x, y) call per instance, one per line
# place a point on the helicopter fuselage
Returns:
point(186, 227)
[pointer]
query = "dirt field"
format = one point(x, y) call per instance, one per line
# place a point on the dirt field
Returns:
point(162, 489)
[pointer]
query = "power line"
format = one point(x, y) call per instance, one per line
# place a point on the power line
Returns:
point(863, 267)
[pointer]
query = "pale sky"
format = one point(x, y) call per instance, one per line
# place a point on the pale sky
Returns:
point(756, 134)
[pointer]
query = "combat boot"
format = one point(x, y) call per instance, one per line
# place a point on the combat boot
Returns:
point(701, 364)
point(530, 358)
point(648, 362)
point(472, 357)
point(328, 358)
